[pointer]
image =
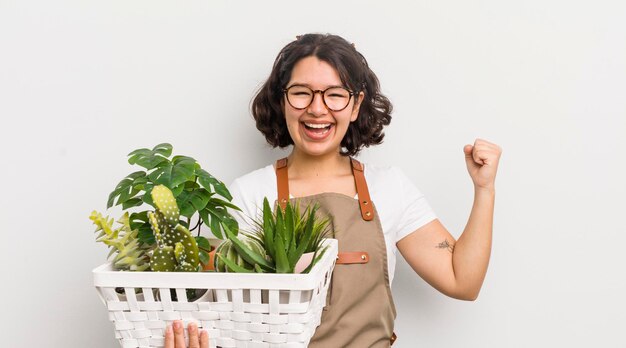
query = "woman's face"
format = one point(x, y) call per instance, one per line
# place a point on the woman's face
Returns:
point(316, 130)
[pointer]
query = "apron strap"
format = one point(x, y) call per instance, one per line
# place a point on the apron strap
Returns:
point(282, 182)
point(367, 212)
point(363, 194)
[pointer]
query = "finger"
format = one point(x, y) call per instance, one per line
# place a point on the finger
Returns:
point(481, 157)
point(469, 151)
point(192, 331)
point(476, 155)
point(487, 156)
point(482, 143)
point(169, 337)
point(179, 334)
point(204, 339)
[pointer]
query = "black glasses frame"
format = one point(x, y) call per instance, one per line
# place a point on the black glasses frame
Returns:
point(322, 93)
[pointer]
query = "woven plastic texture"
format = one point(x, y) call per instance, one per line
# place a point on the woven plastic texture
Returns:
point(237, 310)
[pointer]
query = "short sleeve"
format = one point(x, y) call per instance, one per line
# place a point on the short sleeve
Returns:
point(246, 204)
point(415, 211)
point(248, 192)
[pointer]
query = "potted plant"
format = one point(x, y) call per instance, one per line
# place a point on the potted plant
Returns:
point(277, 244)
point(199, 195)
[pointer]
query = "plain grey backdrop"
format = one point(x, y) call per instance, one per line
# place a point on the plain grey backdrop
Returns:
point(82, 83)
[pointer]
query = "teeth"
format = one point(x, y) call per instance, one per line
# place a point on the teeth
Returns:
point(315, 125)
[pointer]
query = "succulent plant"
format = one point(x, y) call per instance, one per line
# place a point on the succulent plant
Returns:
point(229, 260)
point(130, 253)
point(284, 235)
point(176, 247)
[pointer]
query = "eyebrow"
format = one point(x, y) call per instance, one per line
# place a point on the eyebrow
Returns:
point(307, 85)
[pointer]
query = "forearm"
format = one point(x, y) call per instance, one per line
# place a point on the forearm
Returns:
point(473, 248)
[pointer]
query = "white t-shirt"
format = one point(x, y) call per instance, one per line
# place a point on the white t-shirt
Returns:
point(401, 206)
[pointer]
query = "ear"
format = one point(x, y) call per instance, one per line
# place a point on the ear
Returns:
point(357, 106)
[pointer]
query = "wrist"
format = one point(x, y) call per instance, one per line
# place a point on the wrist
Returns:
point(484, 190)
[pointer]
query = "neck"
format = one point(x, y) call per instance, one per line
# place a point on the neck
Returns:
point(304, 166)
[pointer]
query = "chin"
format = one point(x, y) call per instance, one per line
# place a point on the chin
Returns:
point(318, 150)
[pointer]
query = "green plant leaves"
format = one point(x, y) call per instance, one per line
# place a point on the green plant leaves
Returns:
point(306, 237)
point(125, 189)
point(319, 253)
point(210, 183)
point(192, 201)
point(268, 228)
point(247, 254)
point(133, 202)
point(203, 249)
point(233, 266)
point(203, 243)
point(195, 190)
point(172, 174)
point(139, 222)
point(150, 159)
point(216, 217)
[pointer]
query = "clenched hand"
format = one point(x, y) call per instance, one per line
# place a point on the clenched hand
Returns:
point(482, 163)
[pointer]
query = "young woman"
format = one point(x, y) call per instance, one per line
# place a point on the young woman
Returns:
point(323, 100)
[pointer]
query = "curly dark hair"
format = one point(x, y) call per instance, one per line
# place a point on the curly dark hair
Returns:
point(355, 74)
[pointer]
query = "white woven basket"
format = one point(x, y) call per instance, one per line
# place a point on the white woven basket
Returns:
point(237, 310)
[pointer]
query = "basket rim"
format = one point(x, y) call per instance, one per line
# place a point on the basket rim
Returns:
point(105, 276)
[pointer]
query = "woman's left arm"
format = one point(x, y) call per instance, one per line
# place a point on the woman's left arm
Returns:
point(458, 268)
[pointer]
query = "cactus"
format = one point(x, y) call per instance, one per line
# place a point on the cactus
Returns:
point(176, 248)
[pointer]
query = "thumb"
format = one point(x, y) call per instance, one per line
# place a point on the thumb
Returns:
point(467, 149)
point(469, 157)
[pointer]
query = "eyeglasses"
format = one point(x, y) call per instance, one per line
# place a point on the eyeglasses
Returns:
point(335, 98)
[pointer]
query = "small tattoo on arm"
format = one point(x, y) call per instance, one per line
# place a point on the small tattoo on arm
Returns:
point(446, 245)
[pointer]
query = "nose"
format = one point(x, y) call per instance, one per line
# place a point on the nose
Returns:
point(317, 107)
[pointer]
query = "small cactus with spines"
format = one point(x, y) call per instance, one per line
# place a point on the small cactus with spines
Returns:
point(177, 250)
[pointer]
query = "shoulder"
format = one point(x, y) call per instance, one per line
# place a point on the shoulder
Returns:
point(389, 185)
point(250, 189)
point(257, 179)
point(401, 205)
point(384, 178)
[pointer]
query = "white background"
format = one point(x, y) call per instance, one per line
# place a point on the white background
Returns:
point(82, 83)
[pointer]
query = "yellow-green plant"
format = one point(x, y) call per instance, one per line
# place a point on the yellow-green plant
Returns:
point(127, 253)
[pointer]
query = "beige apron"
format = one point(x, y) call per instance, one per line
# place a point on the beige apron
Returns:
point(361, 312)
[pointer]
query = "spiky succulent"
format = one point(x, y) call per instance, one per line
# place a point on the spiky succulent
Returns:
point(284, 235)
point(130, 253)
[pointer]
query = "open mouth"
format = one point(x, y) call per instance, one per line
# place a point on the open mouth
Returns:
point(317, 127)
point(317, 130)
